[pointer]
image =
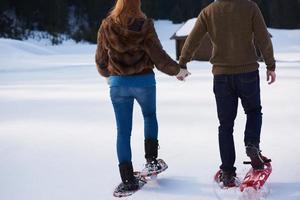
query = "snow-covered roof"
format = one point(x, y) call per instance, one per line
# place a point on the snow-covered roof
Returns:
point(186, 28)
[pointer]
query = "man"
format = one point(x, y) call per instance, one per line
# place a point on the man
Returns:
point(232, 26)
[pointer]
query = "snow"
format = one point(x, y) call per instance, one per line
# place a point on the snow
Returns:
point(20, 47)
point(57, 127)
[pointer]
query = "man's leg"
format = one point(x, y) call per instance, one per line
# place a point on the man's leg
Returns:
point(249, 92)
point(227, 103)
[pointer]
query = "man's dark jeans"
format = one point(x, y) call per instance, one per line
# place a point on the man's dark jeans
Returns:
point(227, 89)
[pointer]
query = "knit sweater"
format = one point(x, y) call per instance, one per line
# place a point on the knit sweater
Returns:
point(232, 26)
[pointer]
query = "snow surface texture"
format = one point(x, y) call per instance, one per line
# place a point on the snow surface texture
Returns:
point(57, 126)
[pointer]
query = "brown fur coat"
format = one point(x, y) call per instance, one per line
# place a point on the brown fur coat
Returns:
point(132, 50)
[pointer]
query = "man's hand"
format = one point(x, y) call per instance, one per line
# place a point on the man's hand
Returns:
point(183, 73)
point(271, 76)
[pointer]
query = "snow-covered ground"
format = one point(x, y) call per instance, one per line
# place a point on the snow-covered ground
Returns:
point(57, 127)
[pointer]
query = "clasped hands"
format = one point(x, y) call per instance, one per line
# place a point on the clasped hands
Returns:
point(183, 73)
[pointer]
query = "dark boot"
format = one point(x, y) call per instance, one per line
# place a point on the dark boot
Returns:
point(151, 149)
point(257, 160)
point(152, 166)
point(130, 182)
point(228, 178)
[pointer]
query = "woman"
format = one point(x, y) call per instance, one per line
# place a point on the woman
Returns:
point(127, 50)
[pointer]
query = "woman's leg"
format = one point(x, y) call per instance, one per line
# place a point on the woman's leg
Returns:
point(123, 107)
point(146, 97)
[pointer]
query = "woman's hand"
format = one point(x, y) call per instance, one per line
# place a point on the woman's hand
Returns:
point(183, 73)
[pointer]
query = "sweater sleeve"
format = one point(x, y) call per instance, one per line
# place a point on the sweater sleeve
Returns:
point(158, 55)
point(101, 56)
point(194, 39)
point(262, 38)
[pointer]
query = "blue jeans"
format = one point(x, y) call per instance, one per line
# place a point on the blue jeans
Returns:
point(122, 98)
point(228, 89)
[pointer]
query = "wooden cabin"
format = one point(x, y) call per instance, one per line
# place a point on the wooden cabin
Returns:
point(205, 48)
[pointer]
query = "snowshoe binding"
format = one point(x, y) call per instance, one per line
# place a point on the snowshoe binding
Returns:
point(129, 188)
point(154, 167)
point(226, 179)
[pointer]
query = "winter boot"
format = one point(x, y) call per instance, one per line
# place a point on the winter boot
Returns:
point(257, 160)
point(151, 149)
point(228, 178)
point(129, 181)
point(152, 166)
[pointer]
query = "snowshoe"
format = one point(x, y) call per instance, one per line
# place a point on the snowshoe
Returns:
point(154, 167)
point(129, 188)
point(226, 179)
point(256, 178)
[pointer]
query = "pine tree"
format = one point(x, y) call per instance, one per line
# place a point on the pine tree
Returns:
point(53, 15)
point(284, 13)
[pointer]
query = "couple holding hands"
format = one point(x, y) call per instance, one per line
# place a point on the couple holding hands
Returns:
point(128, 48)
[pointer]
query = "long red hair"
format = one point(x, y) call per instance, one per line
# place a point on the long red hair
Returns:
point(125, 9)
